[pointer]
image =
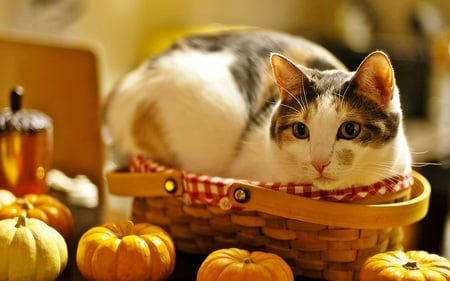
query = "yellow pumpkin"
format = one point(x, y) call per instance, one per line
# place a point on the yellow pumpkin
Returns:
point(238, 264)
point(412, 265)
point(6, 198)
point(126, 251)
point(30, 250)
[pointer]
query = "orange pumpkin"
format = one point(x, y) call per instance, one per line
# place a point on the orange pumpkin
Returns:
point(124, 251)
point(412, 265)
point(43, 207)
point(237, 264)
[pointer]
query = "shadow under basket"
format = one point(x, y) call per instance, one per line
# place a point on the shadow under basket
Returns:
point(318, 239)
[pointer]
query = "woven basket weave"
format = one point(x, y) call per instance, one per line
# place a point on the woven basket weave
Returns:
point(319, 239)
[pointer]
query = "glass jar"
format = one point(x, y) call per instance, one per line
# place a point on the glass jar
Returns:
point(26, 142)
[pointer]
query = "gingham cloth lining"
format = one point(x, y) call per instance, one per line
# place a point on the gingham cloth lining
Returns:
point(210, 190)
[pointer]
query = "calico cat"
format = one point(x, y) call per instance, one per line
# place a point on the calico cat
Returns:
point(262, 105)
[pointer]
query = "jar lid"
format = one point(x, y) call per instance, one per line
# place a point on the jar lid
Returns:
point(15, 118)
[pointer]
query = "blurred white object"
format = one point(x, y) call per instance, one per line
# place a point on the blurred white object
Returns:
point(80, 190)
point(355, 22)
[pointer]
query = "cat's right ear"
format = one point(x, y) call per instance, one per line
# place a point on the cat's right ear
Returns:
point(375, 78)
point(290, 78)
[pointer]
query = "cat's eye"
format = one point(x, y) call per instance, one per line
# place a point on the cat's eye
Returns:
point(349, 130)
point(300, 130)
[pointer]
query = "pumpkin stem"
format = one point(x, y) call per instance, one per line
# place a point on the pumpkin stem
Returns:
point(21, 222)
point(26, 204)
point(411, 265)
point(248, 260)
point(128, 229)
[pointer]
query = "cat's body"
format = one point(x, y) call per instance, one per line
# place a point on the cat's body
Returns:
point(220, 104)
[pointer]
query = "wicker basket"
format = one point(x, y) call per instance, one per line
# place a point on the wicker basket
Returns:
point(319, 239)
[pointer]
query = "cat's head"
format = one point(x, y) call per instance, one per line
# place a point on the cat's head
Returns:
point(337, 128)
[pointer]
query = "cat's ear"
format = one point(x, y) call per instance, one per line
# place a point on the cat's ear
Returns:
point(375, 78)
point(289, 77)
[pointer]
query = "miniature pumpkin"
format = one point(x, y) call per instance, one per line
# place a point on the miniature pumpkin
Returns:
point(412, 265)
point(126, 251)
point(42, 207)
point(238, 264)
point(6, 198)
point(30, 250)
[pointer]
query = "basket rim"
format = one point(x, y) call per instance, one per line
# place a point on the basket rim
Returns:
point(339, 214)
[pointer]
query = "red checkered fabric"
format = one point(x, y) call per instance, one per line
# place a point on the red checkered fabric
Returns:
point(210, 190)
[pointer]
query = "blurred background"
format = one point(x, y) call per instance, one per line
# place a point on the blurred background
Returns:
point(415, 33)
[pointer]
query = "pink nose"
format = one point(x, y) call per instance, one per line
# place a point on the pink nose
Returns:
point(320, 165)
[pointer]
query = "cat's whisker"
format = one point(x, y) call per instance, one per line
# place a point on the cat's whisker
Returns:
point(377, 169)
point(299, 102)
point(295, 98)
point(381, 173)
point(342, 96)
point(420, 152)
point(290, 107)
point(304, 95)
point(415, 164)
point(294, 115)
point(424, 164)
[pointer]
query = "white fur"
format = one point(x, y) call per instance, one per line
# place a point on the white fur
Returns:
point(202, 109)
point(204, 115)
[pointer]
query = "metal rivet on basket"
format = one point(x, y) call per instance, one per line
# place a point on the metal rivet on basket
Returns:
point(170, 185)
point(224, 203)
point(241, 195)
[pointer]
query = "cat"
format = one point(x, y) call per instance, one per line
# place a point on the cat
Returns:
point(262, 105)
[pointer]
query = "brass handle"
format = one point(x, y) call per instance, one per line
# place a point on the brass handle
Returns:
point(144, 184)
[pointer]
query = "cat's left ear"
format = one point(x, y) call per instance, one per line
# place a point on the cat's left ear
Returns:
point(375, 78)
point(289, 77)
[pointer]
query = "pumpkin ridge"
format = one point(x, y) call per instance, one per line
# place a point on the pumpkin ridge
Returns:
point(440, 264)
point(229, 269)
point(23, 238)
point(4, 241)
point(435, 275)
point(209, 267)
point(237, 253)
point(100, 262)
point(133, 255)
point(41, 271)
point(258, 270)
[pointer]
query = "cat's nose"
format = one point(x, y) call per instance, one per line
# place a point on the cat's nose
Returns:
point(320, 165)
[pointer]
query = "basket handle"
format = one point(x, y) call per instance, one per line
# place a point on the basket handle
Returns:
point(125, 183)
point(247, 196)
point(339, 214)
